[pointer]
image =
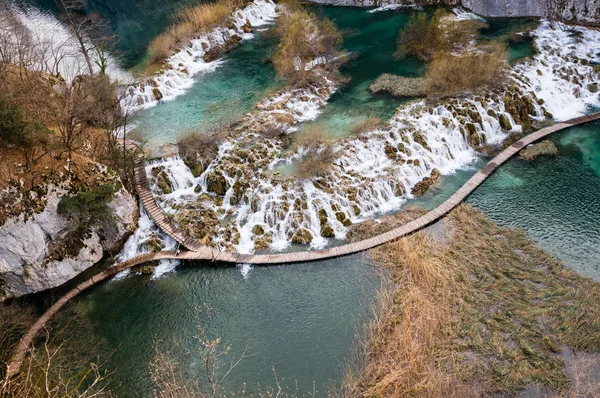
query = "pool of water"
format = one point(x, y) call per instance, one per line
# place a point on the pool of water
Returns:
point(245, 77)
point(217, 98)
point(301, 319)
point(555, 200)
point(371, 40)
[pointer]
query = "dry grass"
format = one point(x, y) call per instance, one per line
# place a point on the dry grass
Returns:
point(484, 314)
point(371, 228)
point(191, 21)
point(458, 65)
point(424, 38)
point(304, 38)
point(367, 125)
point(450, 75)
point(317, 152)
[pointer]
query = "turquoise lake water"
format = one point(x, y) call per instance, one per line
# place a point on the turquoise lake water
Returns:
point(303, 319)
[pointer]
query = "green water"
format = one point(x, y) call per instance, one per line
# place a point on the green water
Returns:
point(302, 319)
point(555, 200)
point(225, 95)
point(217, 98)
point(371, 40)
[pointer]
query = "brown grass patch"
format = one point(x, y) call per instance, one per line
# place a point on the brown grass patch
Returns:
point(471, 72)
point(318, 154)
point(485, 314)
point(371, 228)
point(424, 37)
point(198, 150)
point(367, 125)
point(304, 38)
point(189, 22)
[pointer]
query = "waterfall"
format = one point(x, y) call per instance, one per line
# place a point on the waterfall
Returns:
point(177, 76)
point(373, 174)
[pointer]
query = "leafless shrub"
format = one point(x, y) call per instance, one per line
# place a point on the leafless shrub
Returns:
point(450, 74)
point(198, 149)
point(305, 39)
point(192, 20)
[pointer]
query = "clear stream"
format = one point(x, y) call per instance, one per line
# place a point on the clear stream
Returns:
point(303, 319)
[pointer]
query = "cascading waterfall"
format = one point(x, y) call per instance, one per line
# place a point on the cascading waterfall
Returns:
point(373, 174)
point(147, 238)
point(178, 73)
point(563, 75)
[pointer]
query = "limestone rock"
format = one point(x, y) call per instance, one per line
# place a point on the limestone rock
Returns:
point(398, 86)
point(25, 266)
point(423, 186)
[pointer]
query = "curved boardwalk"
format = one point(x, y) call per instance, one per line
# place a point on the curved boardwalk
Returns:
point(200, 252)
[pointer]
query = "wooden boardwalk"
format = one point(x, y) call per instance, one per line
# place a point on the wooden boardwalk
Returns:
point(200, 252)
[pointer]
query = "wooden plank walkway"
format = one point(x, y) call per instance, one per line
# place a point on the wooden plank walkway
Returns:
point(200, 252)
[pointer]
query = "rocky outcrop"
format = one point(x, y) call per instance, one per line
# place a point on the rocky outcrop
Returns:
point(399, 86)
point(580, 11)
point(583, 11)
point(26, 265)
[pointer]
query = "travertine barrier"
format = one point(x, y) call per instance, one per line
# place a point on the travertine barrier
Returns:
point(201, 252)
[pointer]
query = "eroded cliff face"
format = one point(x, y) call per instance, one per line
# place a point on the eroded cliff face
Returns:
point(579, 11)
point(582, 11)
point(26, 265)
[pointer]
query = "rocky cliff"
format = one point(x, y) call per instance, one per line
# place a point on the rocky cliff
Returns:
point(580, 11)
point(26, 265)
point(583, 11)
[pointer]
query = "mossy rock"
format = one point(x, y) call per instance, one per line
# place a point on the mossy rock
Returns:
point(593, 87)
point(258, 230)
point(423, 186)
point(195, 167)
point(217, 183)
point(164, 183)
point(492, 113)
point(474, 140)
point(327, 231)
point(341, 216)
point(356, 210)
point(157, 94)
point(322, 216)
point(419, 139)
point(302, 236)
point(505, 122)
point(390, 152)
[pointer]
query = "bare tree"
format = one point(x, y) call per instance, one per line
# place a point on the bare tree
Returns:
point(88, 30)
point(41, 377)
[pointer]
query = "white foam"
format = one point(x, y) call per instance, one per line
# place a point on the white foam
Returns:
point(554, 73)
point(364, 182)
point(184, 65)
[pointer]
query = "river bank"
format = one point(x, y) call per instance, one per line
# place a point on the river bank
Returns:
point(477, 309)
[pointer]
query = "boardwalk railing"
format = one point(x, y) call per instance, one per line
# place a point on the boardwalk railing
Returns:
point(200, 252)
